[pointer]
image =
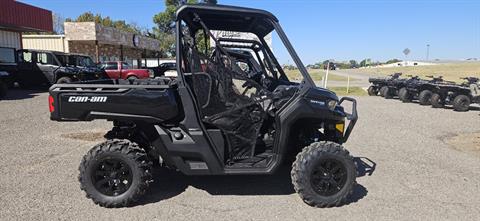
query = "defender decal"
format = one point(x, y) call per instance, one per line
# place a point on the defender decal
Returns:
point(84, 99)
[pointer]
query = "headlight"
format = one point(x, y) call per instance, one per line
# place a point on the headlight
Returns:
point(151, 73)
point(332, 104)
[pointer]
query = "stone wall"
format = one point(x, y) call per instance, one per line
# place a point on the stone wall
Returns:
point(82, 31)
point(106, 52)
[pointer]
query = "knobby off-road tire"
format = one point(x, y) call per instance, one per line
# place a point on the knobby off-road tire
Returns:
point(64, 80)
point(461, 103)
point(324, 174)
point(404, 95)
point(3, 89)
point(115, 173)
point(372, 91)
point(388, 93)
point(437, 101)
point(424, 97)
point(383, 91)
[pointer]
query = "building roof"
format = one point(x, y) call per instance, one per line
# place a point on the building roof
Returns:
point(19, 16)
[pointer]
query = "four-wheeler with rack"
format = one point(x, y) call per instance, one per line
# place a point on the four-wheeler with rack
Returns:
point(379, 85)
point(460, 96)
point(214, 118)
point(420, 89)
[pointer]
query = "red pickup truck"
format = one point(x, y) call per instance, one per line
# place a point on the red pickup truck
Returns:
point(122, 70)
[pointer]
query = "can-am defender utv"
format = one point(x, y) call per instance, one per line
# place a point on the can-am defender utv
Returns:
point(205, 122)
point(380, 84)
point(458, 95)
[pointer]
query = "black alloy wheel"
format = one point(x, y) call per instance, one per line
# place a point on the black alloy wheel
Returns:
point(328, 177)
point(112, 177)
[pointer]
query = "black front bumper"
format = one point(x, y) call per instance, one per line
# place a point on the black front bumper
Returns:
point(352, 117)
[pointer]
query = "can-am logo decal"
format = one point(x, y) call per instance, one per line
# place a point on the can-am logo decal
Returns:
point(84, 99)
point(317, 102)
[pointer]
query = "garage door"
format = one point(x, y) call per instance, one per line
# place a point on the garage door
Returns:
point(9, 39)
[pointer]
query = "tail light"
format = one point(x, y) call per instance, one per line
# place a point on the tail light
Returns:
point(50, 104)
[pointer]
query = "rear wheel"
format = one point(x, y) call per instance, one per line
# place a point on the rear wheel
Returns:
point(132, 78)
point(324, 174)
point(372, 91)
point(383, 91)
point(404, 95)
point(424, 97)
point(3, 89)
point(115, 173)
point(64, 80)
point(437, 101)
point(461, 103)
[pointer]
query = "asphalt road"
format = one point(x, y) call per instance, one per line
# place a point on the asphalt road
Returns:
point(417, 175)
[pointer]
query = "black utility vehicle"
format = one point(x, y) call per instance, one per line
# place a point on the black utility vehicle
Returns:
point(160, 70)
point(37, 67)
point(214, 119)
point(381, 84)
point(420, 89)
point(458, 95)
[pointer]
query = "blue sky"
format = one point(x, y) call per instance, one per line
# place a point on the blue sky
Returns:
point(340, 30)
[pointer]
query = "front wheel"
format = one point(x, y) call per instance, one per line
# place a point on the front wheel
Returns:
point(324, 174)
point(424, 97)
point(404, 95)
point(437, 101)
point(115, 173)
point(461, 103)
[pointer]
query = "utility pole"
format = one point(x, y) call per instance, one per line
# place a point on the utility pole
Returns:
point(428, 50)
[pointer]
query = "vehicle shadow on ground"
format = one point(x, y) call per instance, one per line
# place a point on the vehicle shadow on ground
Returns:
point(169, 183)
point(20, 94)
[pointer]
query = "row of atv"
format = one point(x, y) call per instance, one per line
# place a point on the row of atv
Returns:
point(434, 91)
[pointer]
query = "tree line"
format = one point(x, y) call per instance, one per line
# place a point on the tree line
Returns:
point(352, 63)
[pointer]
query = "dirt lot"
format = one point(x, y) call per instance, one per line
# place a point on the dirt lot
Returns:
point(418, 174)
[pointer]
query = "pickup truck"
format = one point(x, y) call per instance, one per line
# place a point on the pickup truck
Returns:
point(122, 70)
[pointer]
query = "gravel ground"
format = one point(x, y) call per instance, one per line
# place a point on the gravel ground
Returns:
point(417, 175)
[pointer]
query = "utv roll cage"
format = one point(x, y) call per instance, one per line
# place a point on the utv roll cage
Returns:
point(239, 19)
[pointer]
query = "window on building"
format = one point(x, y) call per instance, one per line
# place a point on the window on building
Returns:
point(7, 55)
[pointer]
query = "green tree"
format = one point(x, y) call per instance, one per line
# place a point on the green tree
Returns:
point(108, 22)
point(165, 22)
point(391, 61)
point(353, 64)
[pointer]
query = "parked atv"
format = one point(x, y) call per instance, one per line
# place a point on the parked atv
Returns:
point(420, 89)
point(459, 96)
point(379, 86)
point(214, 118)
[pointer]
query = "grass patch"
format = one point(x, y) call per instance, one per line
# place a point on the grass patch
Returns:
point(353, 91)
point(449, 71)
point(316, 74)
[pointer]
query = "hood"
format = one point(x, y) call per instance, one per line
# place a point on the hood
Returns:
point(318, 93)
